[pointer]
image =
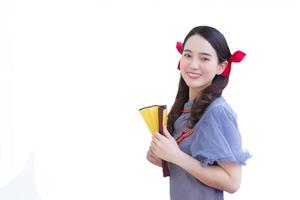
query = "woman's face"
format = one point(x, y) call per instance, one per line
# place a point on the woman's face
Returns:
point(199, 63)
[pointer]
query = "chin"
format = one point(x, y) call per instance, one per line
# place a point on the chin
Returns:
point(198, 85)
point(194, 84)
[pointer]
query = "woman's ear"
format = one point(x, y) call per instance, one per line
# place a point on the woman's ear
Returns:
point(221, 67)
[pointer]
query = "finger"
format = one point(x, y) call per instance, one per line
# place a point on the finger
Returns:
point(156, 135)
point(153, 157)
point(152, 148)
point(159, 137)
point(154, 142)
point(151, 153)
point(156, 160)
point(150, 159)
point(167, 133)
point(156, 138)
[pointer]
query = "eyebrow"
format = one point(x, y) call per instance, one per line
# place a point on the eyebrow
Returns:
point(202, 53)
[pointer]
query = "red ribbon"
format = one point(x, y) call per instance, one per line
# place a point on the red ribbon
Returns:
point(179, 49)
point(236, 57)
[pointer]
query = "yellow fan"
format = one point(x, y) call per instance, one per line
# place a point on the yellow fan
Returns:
point(155, 117)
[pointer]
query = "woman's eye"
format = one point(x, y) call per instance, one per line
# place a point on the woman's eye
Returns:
point(187, 55)
point(204, 59)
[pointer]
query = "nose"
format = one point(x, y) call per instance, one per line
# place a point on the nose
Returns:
point(194, 64)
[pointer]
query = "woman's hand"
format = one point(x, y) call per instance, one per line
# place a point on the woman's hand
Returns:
point(151, 157)
point(165, 147)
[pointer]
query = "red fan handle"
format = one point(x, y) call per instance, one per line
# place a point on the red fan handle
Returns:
point(165, 167)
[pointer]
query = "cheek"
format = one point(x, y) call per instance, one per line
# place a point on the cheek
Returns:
point(210, 68)
point(183, 63)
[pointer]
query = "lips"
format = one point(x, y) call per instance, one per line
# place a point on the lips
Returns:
point(193, 75)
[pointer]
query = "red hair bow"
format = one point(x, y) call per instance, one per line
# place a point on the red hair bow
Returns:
point(236, 57)
point(179, 49)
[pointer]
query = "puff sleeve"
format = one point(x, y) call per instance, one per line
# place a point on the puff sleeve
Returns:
point(217, 138)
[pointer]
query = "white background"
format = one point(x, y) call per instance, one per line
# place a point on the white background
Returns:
point(73, 75)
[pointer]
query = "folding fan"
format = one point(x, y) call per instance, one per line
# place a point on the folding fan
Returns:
point(153, 116)
point(156, 118)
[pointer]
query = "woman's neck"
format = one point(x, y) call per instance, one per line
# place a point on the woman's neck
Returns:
point(193, 93)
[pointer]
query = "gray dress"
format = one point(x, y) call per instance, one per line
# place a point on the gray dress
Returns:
point(215, 138)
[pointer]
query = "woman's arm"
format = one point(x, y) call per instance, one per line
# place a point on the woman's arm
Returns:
point(224, 176)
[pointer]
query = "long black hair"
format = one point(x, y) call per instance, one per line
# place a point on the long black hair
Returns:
point(210, 93)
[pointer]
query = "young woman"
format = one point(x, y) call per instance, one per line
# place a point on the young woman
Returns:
point(202, 143)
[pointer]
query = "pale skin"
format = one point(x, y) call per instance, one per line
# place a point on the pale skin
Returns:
point(198, 58)
point(224, 176)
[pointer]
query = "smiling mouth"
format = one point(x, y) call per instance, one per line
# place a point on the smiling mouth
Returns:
point(193, 75)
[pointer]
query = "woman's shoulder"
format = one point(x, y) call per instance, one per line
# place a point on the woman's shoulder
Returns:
point(220, 104)
point(219, 110)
